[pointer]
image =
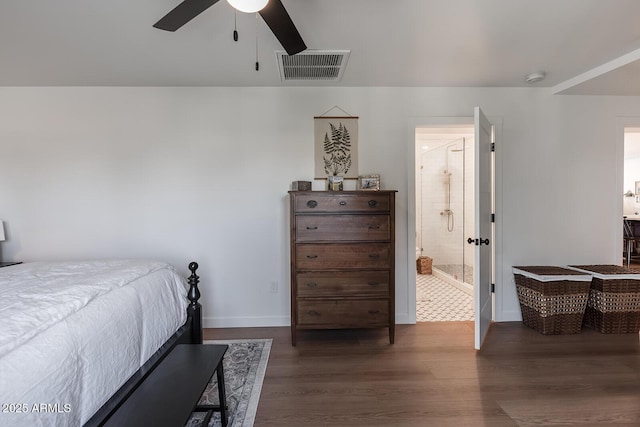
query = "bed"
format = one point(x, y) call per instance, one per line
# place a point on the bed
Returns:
point(77, 338)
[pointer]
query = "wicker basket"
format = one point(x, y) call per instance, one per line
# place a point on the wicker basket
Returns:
point(424, 264)
point(552, 299)
point(614, 301)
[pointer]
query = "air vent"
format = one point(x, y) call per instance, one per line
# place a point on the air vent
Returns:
point(317, 65)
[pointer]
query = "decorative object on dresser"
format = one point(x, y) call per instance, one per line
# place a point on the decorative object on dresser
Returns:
point(369, 182)
point(301, 186)
point(335, 183)
point(342, 260)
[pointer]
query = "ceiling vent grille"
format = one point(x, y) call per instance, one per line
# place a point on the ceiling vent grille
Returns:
point(312, 65)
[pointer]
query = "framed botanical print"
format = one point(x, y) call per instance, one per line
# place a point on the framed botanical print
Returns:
point(336, 147)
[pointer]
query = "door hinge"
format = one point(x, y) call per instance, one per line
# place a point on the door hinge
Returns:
point(493, 217)
point(493, 288)
point(493, 146)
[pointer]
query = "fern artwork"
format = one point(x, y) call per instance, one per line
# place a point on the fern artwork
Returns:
point(336, 140)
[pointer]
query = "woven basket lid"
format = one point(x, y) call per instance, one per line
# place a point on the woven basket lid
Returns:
point(608, 271)
point(548, 273)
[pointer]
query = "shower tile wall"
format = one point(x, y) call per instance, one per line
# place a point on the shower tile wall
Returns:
point(469, 196)
point(437, 242)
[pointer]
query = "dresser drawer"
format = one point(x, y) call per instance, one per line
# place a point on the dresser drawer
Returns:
point(342, 227)
point(343, 283)
point(323, 202)
point(348, 255)
point(343, 313)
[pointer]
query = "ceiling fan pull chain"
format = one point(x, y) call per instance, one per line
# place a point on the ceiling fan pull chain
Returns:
point(257, 63)
point(235, 25)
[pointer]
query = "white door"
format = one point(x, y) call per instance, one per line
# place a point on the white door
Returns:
point(483, 209)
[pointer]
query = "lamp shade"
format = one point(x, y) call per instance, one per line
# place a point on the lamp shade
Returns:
point(1, 231)
point(248, 6)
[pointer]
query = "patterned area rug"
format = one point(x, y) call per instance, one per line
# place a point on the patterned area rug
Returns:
point(245, 363)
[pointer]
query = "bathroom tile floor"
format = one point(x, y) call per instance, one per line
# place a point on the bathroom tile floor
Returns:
point(438, 301)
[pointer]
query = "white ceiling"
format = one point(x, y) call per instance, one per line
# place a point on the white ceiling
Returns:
point(584, 46)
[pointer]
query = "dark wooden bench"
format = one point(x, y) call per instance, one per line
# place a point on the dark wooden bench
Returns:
point(171, 392)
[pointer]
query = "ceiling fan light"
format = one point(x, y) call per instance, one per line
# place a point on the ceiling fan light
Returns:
point(248, 6)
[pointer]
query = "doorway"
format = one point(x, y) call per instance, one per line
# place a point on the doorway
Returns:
point(488, 234)
point(631, 196)
point(444, 182)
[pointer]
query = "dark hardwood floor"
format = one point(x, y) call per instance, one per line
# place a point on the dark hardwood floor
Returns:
point(432, 376)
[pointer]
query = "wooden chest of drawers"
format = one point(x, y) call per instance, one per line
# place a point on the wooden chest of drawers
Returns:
point(342, 260)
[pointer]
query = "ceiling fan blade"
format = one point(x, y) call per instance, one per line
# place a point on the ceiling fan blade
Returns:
point(277, 18)
point(183, 13)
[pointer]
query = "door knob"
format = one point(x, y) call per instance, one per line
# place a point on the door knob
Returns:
point(478, 242)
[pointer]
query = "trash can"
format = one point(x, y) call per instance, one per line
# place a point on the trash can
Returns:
point(424, 265)
point(552, 299)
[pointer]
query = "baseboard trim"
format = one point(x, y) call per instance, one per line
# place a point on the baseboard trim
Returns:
point(271, 321)
point(246, 322)
point(510, 316)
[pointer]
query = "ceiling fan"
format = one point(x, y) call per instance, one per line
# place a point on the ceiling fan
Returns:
point(273, 13)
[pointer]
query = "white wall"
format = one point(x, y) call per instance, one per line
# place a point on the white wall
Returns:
point(202, 174)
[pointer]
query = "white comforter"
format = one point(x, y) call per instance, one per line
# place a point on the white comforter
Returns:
point(72, 334)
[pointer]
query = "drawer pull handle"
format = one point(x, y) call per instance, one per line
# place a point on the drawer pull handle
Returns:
point(373, 203)
point(373, 283)
point(312, 285)
point(313, 313)
point(374, 311)
point(374, 256)
point(342, 203)
point(312, 256)
point(312, 228)
point(374, 227)
point(312, 204)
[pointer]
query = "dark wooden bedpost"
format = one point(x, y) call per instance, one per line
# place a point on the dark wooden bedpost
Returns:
point(194, 311)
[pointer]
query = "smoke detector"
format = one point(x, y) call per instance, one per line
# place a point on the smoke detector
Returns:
point(325, 65)
point(534, 77)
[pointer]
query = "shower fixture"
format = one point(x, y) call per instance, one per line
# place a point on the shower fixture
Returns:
point(447, 181)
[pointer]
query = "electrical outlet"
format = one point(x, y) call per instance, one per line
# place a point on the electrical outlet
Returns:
point(273, 287)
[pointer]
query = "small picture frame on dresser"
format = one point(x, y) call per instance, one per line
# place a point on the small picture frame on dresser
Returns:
point(335, 183)
point(369, 182)
point(301, 186)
